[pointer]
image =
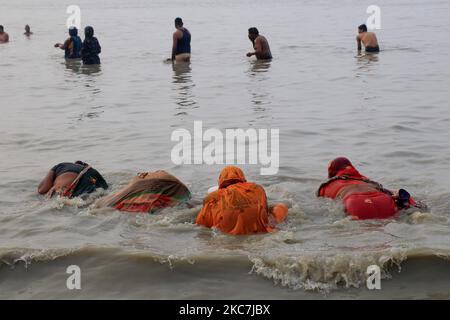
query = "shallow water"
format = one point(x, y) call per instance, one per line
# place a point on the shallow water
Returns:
point(388, 113)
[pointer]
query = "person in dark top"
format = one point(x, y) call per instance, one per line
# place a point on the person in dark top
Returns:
point(91, 47)
point(181, 47)
point(72, 46)
point(71, 180)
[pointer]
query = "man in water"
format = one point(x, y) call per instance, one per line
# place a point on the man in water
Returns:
point(4, 37)
point(91, 48)
point(368, 39)
point(72, 46)
point(260, 44)
point(28, 31)
point(181, 48)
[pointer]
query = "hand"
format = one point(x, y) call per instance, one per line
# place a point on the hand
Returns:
point(250, 54)
point(57, 45)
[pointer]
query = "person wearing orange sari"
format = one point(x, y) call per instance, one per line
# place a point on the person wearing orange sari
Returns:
point(239, 207)
point(362, 198)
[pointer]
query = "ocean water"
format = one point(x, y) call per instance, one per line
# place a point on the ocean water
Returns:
point(388, 113)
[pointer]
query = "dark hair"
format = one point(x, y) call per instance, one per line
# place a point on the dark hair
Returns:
point(363, 27)
point(253, 30)
point(1, 27)
point(178, 21)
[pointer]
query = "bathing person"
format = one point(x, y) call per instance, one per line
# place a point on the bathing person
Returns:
point(260, 44)
point(239, 207)
point(72, 46)
point(147, 193)
point(362, 197)
point(181, 46)
point(71, 180)
point(91, 47)
point(4, 37)
point(368, 39)
point(28, 31)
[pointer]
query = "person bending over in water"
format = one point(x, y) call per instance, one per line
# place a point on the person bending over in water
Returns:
point(28, 31)
point(362, 197)
point(4, 37)
point(368, 39)
point(71, 180)
point(91, 47)
point(260, 44)
point(72, 46)
point(181, 47)
point(239, 207)
point(147, 193)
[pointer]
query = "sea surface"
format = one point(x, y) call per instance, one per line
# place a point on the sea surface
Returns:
point(389, 113)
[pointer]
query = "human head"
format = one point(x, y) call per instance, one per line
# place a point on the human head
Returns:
point(253, 33)
point(178, 22)
point(27, 28)
point(1, 28)
point(230, 175)
point(362, 28)
point(88, 32)
point(73, 31)
point(337, 165)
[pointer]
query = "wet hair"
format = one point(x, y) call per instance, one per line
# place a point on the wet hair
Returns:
point(254, 31)
point(84, 164)
point(178, 21)
point(89, 32)
point(73, 31)
point(27, 27)
point(363, 27)
point(1, 27)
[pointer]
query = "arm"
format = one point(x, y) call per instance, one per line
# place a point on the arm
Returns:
point(257, 45)
point(64, 45)
point(47, 183)
point(174, 44)
point(358, 41)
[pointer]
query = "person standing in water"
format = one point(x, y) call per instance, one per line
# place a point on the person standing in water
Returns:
point(368, 39)
point(260, 44)
point(28, 31)
point(91, 47)
point(72, 46)
point(181, 47)
point(4, 37)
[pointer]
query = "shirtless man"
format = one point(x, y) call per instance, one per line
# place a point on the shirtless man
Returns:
point(28, 31)
point(368, 39)
point(260, 44)
point(4, 37)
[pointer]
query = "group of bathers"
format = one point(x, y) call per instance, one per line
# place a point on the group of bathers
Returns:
point(237, 206)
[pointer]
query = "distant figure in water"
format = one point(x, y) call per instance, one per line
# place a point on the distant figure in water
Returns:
point(181, 47)
point(148, 192)
point(28, 31)
point(368, 39)
point(239, 207)
point(72, 46)
point(362, 198)
point(4, 37)
point(260, 44)
point(71, 180)
point(91, 47)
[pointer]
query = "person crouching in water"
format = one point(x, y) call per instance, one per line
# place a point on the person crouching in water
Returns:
point(147, 193)
point(362, 197)
point(239, 207)
point(91, 47)
point(368, 39)
point(260, 44)
point(71, 180)
point(72, 46)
